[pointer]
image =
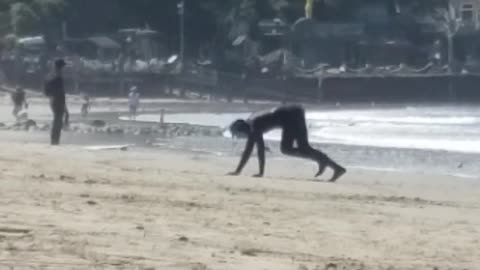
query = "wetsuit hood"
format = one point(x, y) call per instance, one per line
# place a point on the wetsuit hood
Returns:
point(240, 128)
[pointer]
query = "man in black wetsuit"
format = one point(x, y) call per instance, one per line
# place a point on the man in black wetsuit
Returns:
point(54, 89)
point(291, 119)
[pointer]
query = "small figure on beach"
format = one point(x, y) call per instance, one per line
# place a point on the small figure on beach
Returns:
point(85, 105)
point(291, 119)
point(19, 101)
point(133, 102)
point(55, 91)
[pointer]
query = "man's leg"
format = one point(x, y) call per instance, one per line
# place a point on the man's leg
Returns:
point(130, 112)
point(16, 110)
point(57, 126)
point(134, 112)
point(291, 134)
point(323, 160)
point(296, 129)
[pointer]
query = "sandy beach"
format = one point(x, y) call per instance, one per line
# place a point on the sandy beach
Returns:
point(70, 208)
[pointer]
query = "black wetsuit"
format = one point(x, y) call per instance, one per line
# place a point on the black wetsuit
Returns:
point(291, 119)
point(54, 89)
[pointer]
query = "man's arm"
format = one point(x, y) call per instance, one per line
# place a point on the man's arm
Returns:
point(47, 88)
point(261, 154)
point(246, 155)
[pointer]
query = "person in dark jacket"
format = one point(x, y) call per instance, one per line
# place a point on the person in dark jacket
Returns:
point(291, 119)
point(55, 91)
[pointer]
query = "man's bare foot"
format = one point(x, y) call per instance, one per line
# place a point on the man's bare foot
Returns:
point(321, 169)
point(339, 172)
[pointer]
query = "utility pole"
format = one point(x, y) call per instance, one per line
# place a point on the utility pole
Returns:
point(64, 31)
point(181, 13)
point(452, 26)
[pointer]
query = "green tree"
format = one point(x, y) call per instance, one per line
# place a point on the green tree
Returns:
point(51, 16)
point(36, 17)
point(24, 20)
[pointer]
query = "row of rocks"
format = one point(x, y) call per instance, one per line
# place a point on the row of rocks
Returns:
point(99, 126)
point(168, 130)
point(23, 125)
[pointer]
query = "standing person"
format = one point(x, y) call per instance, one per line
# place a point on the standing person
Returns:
point(133, 102)
point(55, 91)
point(19, 101)
point(85, 105)
point(291, 119)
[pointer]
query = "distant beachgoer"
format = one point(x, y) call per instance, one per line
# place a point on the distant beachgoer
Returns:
point(55, 90)
point(85, 105)
point(291, 119)
point(19, 101)
point(133, 102)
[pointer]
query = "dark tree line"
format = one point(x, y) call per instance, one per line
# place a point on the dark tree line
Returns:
point(206, 21)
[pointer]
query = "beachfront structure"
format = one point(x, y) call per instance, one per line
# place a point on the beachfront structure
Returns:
point(384, 33)
point(375, 32)
point(467, 11)
point(144, 43)
point(466, 14)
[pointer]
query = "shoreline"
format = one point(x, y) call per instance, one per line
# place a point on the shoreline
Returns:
point(440, 163)
point(145, 135)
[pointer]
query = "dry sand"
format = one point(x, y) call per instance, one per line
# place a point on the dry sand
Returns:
point(68, 208)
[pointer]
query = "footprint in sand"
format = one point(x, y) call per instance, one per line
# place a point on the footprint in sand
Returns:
point(66, 177)
point(14, 231)
point(92, 203)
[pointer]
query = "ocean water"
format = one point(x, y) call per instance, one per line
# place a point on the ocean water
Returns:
point(448, 128)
